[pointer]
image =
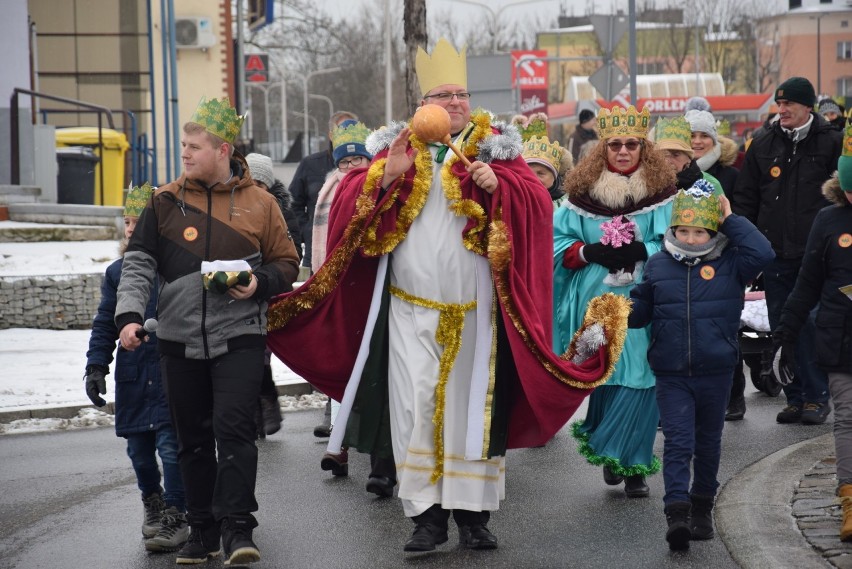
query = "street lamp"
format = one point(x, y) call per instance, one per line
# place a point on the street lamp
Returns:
point(496, 14)
point(305, 80)
point(327, 100)
point(818, 17)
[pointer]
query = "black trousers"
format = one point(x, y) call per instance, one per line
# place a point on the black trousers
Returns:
point(212, 404)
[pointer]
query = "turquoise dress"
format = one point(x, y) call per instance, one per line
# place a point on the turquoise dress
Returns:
point(621, 423)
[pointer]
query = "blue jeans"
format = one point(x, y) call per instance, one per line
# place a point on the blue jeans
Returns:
point(810, 384)
point(692, 413)
point(142, 449)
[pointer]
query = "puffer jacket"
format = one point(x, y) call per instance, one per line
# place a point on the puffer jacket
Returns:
point(140, 401)
point(778, 188)
point(826, 267)
point(186, 223)
point(694, 311)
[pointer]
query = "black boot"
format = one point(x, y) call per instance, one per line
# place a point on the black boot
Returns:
point(635, 487)
point(678, 534)
point(611, 478)
point(736, 404)
point(701, 517)
point(473, 530)
point(430, 529)
point(269, 405)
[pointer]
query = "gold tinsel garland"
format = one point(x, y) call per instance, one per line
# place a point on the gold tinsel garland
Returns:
point(448, 334)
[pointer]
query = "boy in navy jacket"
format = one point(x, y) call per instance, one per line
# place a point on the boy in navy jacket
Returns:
point(692, 295)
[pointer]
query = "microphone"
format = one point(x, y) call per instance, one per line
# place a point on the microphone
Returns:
point(149, 326)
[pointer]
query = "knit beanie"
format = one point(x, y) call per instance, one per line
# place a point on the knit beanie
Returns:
point(696, 104)
point(585, 116)
point(798, 90)
point(696, 207)
point(702, 121)
point(137, 199)
point(260, 168)
point(844, 163)
point(828, 106)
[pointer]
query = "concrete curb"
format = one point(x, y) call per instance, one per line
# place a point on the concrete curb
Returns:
point(294, 389)
point(754, 513)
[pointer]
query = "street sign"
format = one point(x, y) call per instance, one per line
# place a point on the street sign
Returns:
point(529, 75)
point(257, 67)
point(260, 13)
point(609, 80)
point(609, 29)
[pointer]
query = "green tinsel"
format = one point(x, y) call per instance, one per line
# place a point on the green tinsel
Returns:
point(612, 463)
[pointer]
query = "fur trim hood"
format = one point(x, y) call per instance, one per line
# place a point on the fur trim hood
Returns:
point(730, 150)
point(504, 144)
point(833, 193)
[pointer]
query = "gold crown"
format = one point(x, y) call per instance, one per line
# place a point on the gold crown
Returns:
point(534, 125)
point(351, 133)
point(444, 67)
point(218, 117)
point(620, 122)
point(539, 149)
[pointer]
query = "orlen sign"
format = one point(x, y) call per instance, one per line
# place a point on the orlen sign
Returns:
point(664, 105)
point(529, 74)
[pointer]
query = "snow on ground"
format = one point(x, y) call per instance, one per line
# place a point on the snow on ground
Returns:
point(56, 257)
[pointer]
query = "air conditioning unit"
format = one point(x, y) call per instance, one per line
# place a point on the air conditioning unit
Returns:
point(194, 33)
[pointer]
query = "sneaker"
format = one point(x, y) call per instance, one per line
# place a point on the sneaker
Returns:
point(237, 544)
point(173, 533)
point(789, 414)
point(815, 413)
point(154, 506)
point(337, 463)
point(202, 544)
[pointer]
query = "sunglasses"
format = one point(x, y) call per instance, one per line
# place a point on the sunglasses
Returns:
point(630, 144)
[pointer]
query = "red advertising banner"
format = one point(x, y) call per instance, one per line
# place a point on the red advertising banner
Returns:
point(529, 75)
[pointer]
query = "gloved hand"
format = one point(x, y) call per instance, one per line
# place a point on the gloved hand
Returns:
point(783, 356)
point(630, 254)
point(601, 254)
point(96, 383)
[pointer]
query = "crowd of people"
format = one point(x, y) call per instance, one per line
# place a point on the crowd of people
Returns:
point(464, 292)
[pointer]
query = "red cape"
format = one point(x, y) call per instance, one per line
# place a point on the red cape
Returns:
point(317, 329)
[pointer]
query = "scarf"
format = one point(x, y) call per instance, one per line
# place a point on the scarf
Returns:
point(706, 162)
point(691, 255)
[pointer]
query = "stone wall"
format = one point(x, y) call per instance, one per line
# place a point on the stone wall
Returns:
point(55, 302)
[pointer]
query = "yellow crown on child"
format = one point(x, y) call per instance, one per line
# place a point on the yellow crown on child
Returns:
point(218, 117)
point(539, 149)
point(445, 66)
point(621, 122)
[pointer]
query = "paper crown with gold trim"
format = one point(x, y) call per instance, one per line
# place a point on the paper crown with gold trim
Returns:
point(348, 139)
point(218, 117)
point(137, 199)
point(443, 67)
point(696, 207)
point(624, 122)
point(674, 134)
point(534, 125)
point(539, 150)
point(844, 163)
point(723, 127)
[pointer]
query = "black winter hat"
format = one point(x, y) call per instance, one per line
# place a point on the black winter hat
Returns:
point(586, 115)
point(798, 90)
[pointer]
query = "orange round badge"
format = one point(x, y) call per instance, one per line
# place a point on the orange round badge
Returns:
point(687, 216)
point(707, 272)
point(775, 171)
point(190, 234)
point(845, 240)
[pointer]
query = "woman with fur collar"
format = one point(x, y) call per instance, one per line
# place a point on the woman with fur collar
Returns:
point(619, 206)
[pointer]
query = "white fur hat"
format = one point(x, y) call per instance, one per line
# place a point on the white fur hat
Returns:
point(702, 121)
point(260, 168)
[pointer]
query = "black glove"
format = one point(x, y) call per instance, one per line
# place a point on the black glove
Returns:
point(96, 383)
point(783, 357)
point(628, 255)
point(602, 255)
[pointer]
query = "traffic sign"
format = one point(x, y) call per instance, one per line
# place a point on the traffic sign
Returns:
point(609, 29)
point(609, 80)
point(256, 67)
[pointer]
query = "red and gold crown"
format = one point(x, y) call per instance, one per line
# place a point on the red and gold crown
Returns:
point(621, 122)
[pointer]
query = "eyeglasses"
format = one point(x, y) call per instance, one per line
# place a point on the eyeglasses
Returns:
point(630, 144)
point(355, 161)
point(447, 97)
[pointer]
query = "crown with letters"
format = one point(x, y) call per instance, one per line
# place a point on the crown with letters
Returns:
point(621, 122)
point(218, 117)
point(539, 149)
point(444, 66)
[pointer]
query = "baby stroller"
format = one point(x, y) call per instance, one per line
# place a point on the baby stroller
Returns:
point(756, 341)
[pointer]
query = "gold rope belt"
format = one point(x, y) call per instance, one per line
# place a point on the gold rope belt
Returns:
point(448, 335)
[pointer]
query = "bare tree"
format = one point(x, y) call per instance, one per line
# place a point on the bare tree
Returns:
point(414, 35)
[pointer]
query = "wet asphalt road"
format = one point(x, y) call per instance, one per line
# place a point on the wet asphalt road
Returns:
point(68, 499)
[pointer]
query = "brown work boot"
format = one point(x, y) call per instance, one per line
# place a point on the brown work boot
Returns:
point(845, 493)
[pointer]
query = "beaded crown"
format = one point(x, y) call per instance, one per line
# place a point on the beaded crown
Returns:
point(621, 122)
point(218, 117)
point(137, 198)
point(696, 207)
point(351, 133)
point(444, 66)
point(540, 149)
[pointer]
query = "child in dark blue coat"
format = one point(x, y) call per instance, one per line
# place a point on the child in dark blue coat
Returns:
point(141, 410)
point(692, 295)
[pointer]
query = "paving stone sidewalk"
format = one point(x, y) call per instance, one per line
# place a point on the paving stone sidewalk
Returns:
point(817, 513)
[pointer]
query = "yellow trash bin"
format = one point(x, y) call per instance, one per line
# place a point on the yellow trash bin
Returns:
point(115, 146)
